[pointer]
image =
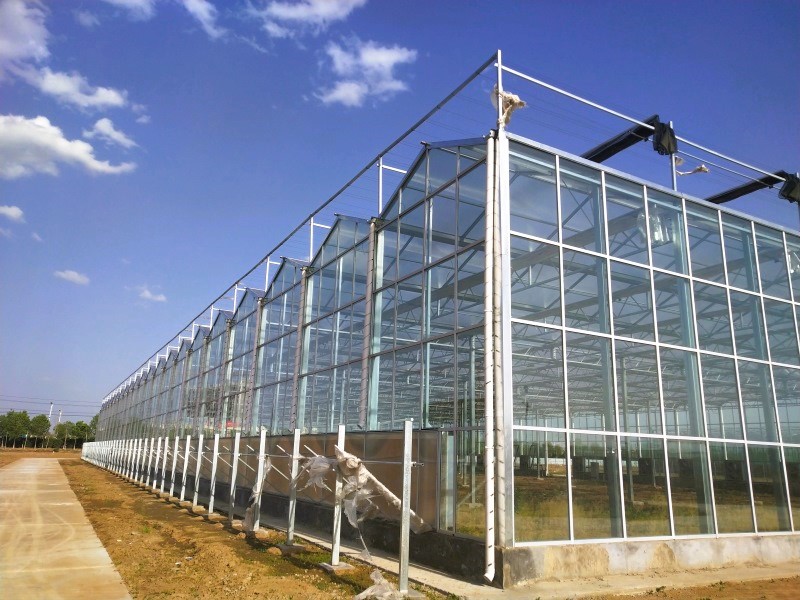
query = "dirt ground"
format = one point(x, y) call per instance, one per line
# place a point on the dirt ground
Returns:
point(163, 551)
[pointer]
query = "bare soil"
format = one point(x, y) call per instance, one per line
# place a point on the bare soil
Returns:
point(162, 550)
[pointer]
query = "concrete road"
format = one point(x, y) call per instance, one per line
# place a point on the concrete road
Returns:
point(48, 548)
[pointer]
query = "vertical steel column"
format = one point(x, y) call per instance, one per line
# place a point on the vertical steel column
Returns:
point(250, 409)
point(405, 509)
point(293, 487)
point(214, 459)
point(197, 466)
point(262, 447)
point(234, 471)
point(174, 464)
point(363, 409)
point(186, 451)
point(298, 354)
point(337, 504)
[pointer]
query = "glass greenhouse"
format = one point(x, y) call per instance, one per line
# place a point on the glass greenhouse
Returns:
point(638, 349)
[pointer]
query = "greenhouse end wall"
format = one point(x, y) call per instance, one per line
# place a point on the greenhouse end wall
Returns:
point(649, 405)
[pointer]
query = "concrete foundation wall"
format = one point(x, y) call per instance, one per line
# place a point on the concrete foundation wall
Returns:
point(525, 564)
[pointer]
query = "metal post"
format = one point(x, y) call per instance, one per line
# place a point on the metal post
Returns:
point(214, 459)
point(155, 469)
point(186, 450)
point(140, 473)
point(197, 466)
point(337, 505)
point(234, 468)
point(405, 516)
point(293, 488)
point(164, 464)
point(262, 448)
point(174, 464)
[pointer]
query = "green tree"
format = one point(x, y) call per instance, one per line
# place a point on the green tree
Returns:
point(93, 427)
point(63, 432)
point(39, 427)
point(16, 424)
point(80, 432)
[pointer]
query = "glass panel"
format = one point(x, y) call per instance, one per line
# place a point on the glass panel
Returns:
point(472, 206)
point(721, 395)
point(441, 298)
point(538, 376)
point(666, 231)
point(793, 473)
point(739, 253)
point(769, 491)
point(627, 235)
point(470, 483)
point(442, 225)
point(386, 255)
point(471, 268)
point(407, 386)
point(772, 262)
point(409, 310)
point(470, 405)
point(681, 387)
point(439, 406)
point(384, 320)
point(705, 243)
point(781, 333)
point(674, 310)
point(540, 486)
point(637, 388)
point(535, 282)
point(644, 476)
point(591, 394)
point(585, 292)
point(596, 510)
point(713, 321)
point(632, 301)
point(691, 491)
point(410, 254)
point(748, 325)
point(532, 179)
point(793, 256)
point(731, 488)
point(442, 163)
point(414, 188)
point(581, 207)
point(787, 392)
point(759, 412)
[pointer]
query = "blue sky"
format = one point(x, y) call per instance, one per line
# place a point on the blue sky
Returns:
point(151, 151)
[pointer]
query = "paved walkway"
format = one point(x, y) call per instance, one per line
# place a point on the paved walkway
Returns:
point(48, 548)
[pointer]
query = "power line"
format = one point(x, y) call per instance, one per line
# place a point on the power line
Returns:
point(47, 400)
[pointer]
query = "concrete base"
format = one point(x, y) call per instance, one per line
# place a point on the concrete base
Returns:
point(336, 568)
point(289, 549)
point(569, 561)
point(413, 594)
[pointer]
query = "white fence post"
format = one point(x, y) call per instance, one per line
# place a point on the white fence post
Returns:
point(213, 473)
point(337, 505)
point(186, 451)
point(262, 445)
point(174, 464)
point(293, 487)
point(405, 516)
point(154, 477)
point(197, 470)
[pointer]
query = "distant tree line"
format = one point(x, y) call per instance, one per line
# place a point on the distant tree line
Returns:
point(19, 430)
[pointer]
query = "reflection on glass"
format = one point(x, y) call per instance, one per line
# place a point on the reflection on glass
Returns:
point(739, 253)
point(581, 207)
point(705, 243)
point(540, 486)
point(409, 310)
point(538, 376)
point(596, 510)
point(632, 301)
point(769, 490)
point(637, 388)
point(441, 168)
point(759, 411)
point(793, 259)
point(731, 488)
point(793, 473)
point(439, 394)
point(787, 393)
point(713, 321)
point(441, 298)
point(471, 267)
point(673, 310)
point(470, 405)
point(666, 231)
point(690, 486)
point(748, 325)
point(470, 483)
point(535, 281)
point(409, 241)
point(532, 179)
point(585, 292)
point(781, 333)
point(472, 206)
point(644, 481)
point(721, 394)
point(627, 233)
point(681, 387)
point(772, 262)
point(591, 394)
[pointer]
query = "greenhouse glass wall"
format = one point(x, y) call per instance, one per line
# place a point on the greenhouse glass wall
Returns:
point(638, 347)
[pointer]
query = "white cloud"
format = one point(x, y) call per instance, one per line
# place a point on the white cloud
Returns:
point(12, 213)
point(73, 88)
point(206, 14)
point(141, 110)
point(72, 277)
point(6, 233)
point(364, 70)
point(105, 130)
point(87, 19)
point(29, 146)
point(137, 9)
point(144, 119)
point(288, 19)
point(36, 237)
point(146, 294)
point(23, 35)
